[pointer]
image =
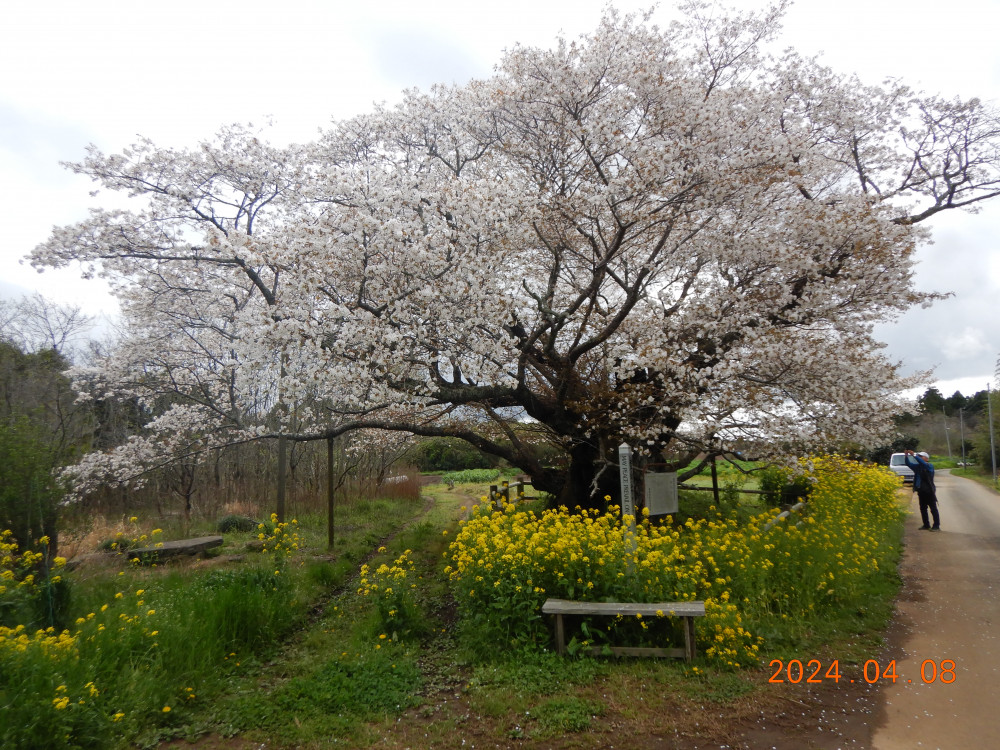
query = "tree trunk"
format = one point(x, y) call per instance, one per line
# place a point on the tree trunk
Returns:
point(587, 481)
point(282, 463)
point(329, 493)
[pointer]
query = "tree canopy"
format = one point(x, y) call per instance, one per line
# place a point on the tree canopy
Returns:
point(663, 236)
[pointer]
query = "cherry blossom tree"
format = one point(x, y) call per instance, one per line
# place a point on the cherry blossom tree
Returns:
point(34, 324)
point(669, 237)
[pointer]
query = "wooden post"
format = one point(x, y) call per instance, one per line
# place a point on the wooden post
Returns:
point(628, 504)
point(282, 441)
point(715, 483)
point(495, 498)
point(329, 493)
point(690, 646)
point(282, 461)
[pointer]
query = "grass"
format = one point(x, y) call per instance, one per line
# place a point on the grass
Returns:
point(147, 645)
point(305, 660)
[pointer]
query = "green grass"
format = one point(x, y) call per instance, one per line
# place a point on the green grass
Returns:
point(335, 696)
point(137, 659)
point(149, 645)
point(556, 717)
point(298, 659)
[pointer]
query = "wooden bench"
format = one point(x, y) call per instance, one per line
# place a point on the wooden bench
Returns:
point(686, 610)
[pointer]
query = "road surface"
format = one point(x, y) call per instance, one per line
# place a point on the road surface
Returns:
point(949, 610)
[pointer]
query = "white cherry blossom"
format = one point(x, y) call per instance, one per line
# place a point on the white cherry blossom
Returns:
point(668, 237)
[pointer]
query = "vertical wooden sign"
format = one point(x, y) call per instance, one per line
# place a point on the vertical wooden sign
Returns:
point(628, 504)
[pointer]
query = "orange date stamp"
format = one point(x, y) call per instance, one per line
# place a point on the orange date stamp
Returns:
point(814, 671)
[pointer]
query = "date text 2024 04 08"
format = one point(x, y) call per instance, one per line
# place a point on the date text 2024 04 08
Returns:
point(813, 671)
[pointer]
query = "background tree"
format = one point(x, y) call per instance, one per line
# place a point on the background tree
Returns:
point(976, 403)
point(448, 454)
point(955, 402)
point(670, 238)
point(932, 402)
point(902, 443)
point(940, 426)
point(34, 323)
point(986, 451)
point(42, 428)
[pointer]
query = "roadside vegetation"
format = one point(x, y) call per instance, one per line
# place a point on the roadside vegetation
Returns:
point(424, 620)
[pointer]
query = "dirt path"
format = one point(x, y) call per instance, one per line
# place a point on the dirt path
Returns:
point(949, 609)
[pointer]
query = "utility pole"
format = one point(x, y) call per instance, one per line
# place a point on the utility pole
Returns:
point(961, 427)
point(947, 436)
point(993, 450)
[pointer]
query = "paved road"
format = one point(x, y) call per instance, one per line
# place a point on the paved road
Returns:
point(949, 610)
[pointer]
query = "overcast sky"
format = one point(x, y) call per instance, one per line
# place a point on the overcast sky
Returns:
point(103, 71)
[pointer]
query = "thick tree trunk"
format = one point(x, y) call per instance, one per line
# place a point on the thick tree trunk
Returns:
point(587, 480)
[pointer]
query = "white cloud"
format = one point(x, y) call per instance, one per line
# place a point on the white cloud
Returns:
point(970, 343)
point(106, 70)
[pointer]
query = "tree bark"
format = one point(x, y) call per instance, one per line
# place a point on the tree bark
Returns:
point(282, 461)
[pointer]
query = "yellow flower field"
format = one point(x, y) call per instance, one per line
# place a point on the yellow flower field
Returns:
point(504, 565)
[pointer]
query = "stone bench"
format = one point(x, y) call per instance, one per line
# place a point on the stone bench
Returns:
point(175, 548)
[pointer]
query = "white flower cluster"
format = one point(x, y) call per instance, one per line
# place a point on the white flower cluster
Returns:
point(662, 236)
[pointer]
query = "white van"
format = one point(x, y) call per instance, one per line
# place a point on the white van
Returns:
point(898, 464)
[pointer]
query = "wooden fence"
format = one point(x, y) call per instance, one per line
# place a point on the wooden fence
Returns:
point(508, 492)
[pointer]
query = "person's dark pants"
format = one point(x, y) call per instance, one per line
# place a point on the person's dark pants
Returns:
point(928, 502)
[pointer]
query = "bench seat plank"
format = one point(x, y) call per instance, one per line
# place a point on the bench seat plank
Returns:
point(677, 653)
point(610, 609)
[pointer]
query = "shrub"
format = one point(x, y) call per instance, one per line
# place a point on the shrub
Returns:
point(29, 493)
point(782, 485)
point(391, 588)
point(280, 538)
point(241, 524)
point(32, 589)
point(471, 476)
point(448, 454)
point(505, 564)
point(131, 536)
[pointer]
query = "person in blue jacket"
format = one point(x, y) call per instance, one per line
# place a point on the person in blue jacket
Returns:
point(923, 483)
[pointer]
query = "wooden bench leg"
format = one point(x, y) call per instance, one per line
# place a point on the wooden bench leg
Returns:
point(560, 635)
point(690, 649)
